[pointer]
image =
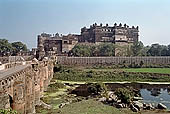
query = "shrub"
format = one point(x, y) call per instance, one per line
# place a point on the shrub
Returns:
point(55, 86)
point(125, 94)
point(96, 88)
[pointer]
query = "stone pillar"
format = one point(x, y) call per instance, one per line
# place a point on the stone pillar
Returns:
point(30, 92)
point(4, 100)
point(19, 97)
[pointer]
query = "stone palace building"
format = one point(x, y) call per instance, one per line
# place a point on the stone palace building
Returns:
point(121, 35)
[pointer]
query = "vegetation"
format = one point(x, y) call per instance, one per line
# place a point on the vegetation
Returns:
point(150, 70)
point(104, 49)
point(55, 86)
point(125, 94)
point(7, 48)
point(7, 111)
point(96, 88)
point(108, 49)
point(91, 107)
point(107, 75)
point(18, 47)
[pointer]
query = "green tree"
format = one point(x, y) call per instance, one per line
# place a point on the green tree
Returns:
point(155, 50)
point(136, 48)
point(81, 50)
point(107, 49)
point(5, 47)
point(18, 47)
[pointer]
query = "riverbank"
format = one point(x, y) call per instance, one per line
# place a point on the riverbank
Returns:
point(63, 100)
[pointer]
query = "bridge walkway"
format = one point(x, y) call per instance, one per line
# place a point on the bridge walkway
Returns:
point(7, 72)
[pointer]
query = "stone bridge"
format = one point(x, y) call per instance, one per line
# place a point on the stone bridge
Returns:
point(22, 84)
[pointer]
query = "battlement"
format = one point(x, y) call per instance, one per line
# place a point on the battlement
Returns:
point(115, 26)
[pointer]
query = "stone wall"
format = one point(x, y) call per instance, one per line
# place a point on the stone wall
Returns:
point(112, 60)
point(4, 60)
point(22, 89)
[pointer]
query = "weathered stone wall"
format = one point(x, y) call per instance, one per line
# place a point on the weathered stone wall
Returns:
point(112, 60)
point(4, 60)
point(22, 89)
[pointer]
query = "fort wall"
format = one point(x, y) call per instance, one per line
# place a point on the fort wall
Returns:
point(112, 60)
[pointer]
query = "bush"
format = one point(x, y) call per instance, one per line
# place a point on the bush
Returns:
point(125, 94)
point(96, 88)
point(55, 86)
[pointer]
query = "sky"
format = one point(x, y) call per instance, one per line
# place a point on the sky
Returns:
point(23, 20)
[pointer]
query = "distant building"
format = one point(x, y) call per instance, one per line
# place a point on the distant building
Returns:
point(117, 33)
point(121, 35)
point(49, 45)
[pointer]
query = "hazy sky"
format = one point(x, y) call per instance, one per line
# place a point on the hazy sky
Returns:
point(23, 20)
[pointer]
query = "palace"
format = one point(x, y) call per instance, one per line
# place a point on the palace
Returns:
point(121, 35)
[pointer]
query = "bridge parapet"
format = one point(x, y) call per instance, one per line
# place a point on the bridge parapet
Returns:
point(24, 84)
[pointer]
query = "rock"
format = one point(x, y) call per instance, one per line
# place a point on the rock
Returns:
point(44, 105)
point(144, 104)
point(137, 98)
point(62, 105)
point(4, 101)
point(161, 106)
point(119, 101)
point(133, 108)
point(119, 105)
point(109, 100)
point(112, 96)
point(138, 105)
point(149, 106)
point(103, 99)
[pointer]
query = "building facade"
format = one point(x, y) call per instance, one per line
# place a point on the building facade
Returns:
point(49, 45)
point(121, 35)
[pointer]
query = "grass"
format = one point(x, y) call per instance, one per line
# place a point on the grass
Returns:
point(112, 75)
point(53, 97)
point(91, 107)
point(149, 70)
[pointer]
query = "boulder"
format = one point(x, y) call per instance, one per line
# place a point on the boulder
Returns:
point(119, 101)
point(161, 106)
point(119, 105)
point(138, 105)
point(133, 108)
point(109, 100)
point(103, 99)
point(149, 106)
point(44, 105)
point(112, 96)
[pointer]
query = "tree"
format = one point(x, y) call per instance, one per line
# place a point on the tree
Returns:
point(81, 50)
point(107, 49)
point(18, 47)
point(136, 48)
point(164, 50)
point(5, 47)
point(155, 50)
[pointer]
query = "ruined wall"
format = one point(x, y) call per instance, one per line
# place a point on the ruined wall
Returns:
point(112, 60)
point(22, 90)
